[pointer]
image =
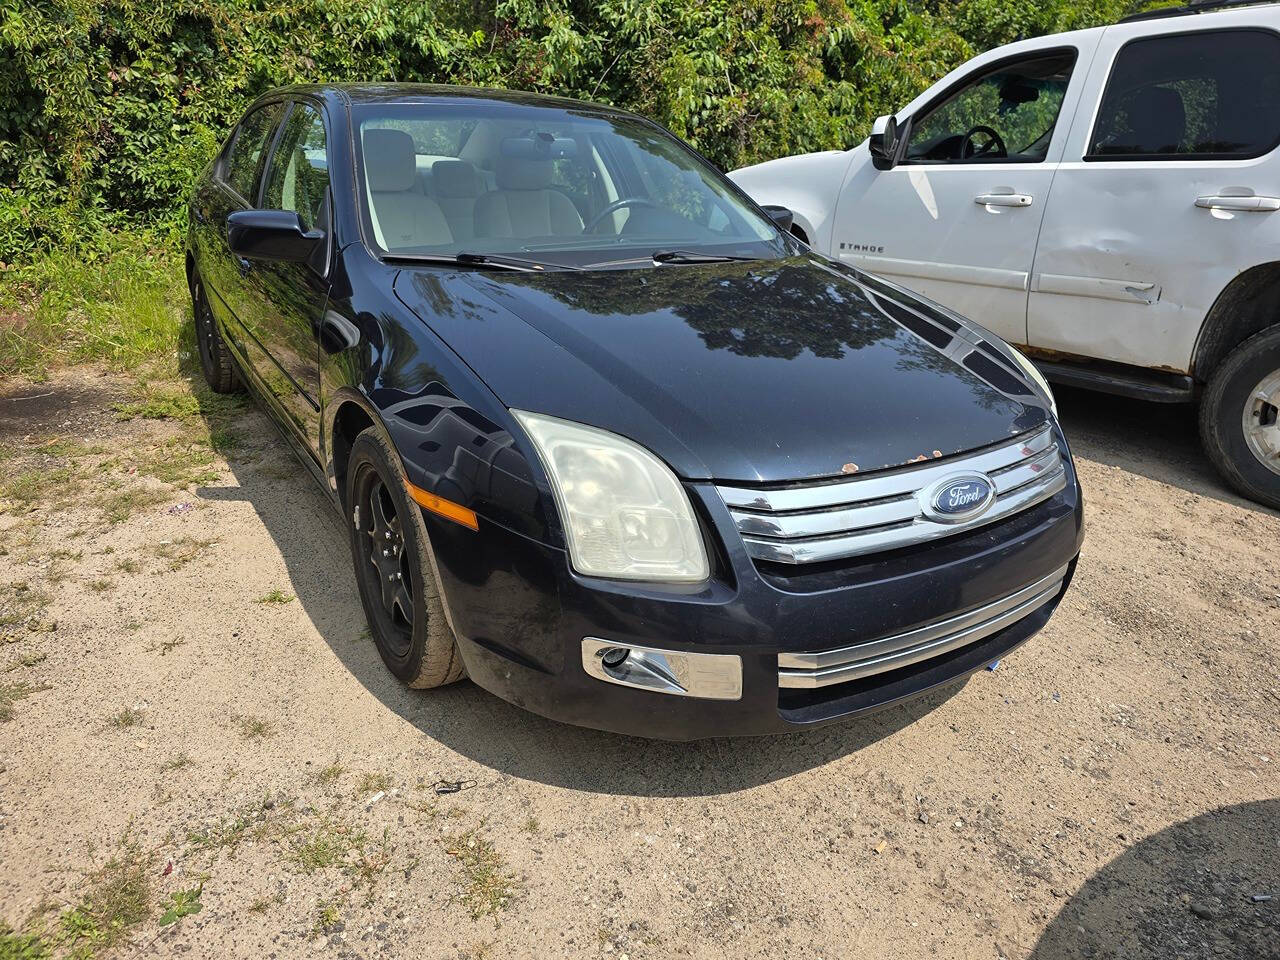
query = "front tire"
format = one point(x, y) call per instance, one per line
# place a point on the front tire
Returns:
point(1238, 418)
point(216, 362)
point(395, 569)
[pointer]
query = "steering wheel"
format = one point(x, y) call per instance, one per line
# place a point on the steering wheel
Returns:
point(994, 147)
point(614, 207)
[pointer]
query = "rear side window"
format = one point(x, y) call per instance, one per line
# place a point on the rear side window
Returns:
point(240, 170)
point(1192, 96)
point(299, 174)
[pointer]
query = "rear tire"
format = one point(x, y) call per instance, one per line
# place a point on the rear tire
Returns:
point(395, 569)
point(1238, 418)
point(216, 362)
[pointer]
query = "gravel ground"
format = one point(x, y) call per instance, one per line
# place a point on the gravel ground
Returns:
point(194, 705)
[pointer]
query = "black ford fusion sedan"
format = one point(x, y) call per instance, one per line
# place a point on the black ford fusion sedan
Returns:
point(607, 439)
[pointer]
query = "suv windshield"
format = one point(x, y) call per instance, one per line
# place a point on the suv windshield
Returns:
point(561, 186)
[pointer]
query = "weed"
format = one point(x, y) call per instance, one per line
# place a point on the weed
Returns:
point(374, 783)
point(25, 491)
point(22, 946)
point(330, 773)
point(183, 903)
point(128, 565)
point(531, 825)
point(276, 597)
point(164, 646)
point(27, 660)
point(254, 728)
point(223, 835)
point(118, 900)
point(261, 905)
point(119, 505)
point(327, 917)
point(484, 886)
point(128, 717)
point(177, 762)
point(180, 551)
point(11, 693)
point(19, 604)
point(100, 585)
point(328, 845)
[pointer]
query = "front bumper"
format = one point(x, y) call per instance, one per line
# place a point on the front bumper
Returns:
point(521, 614)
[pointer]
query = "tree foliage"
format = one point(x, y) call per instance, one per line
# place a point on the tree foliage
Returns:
point(111, 107)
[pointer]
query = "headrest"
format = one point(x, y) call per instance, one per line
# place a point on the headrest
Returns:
point(517, 173)
point(390, 162)
point(455, 178)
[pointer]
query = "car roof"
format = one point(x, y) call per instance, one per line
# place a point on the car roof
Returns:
point(438, 93)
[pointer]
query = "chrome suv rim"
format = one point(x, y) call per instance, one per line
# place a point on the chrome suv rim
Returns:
point(384, 562)
point(1261, 425)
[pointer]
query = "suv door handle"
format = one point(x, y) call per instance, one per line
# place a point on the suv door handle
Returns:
point(1254, 204)
point(1003, 199)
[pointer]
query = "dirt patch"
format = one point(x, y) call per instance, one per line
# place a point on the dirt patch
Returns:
point(266, 787)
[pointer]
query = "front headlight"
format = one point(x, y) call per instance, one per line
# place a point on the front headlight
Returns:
point(625, 514)
point(1032, 371)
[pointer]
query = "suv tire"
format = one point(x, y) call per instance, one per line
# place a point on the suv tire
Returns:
point(1230, 404)
point(395, 569)
point(216, 362)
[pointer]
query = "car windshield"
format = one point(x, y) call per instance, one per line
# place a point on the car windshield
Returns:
point(567, 187)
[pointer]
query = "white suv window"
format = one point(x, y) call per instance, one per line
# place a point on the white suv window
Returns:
point(1006, 115)
point(1213, 95)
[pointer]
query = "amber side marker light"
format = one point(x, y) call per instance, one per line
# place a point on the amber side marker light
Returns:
point(445, 508)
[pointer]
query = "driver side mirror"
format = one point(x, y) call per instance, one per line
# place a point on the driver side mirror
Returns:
point(780, 215)
point(885, 141)
point(271, 235)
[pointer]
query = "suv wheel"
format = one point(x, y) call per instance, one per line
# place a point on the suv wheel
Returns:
point(395, 569)
point(216, 363)
point(1239, 425)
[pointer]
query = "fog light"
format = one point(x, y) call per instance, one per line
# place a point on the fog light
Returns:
point(710, 676)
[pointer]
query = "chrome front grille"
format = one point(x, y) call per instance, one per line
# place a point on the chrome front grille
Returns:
point(812, 670)
point(833, 520)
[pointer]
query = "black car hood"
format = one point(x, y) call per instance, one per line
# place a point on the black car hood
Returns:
point(745, 371)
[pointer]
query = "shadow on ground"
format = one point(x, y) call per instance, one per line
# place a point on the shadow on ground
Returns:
point(1156, 440)
point(1184, 892)
point(311, 538)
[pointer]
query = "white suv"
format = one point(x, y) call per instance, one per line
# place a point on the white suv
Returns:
point(1108, 198)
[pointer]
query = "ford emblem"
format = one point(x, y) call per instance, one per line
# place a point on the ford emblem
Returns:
point(958, 498)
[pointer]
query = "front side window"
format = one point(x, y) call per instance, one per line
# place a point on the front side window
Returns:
point(1209, 96)
point(299, 174)
point(1004, 116)
point(573, 186)
point(240, 169)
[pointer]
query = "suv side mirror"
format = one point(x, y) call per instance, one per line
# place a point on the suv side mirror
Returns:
point(271, 235)
point(780, 215)
point(884, 142)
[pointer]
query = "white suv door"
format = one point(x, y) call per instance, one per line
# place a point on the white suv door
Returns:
point(1169, 187)
point(957, 218)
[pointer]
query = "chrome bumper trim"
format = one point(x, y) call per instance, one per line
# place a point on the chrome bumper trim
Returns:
point(846, 518)
point(812, 670)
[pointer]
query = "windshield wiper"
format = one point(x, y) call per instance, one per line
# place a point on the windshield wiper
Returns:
point(692, 256)
point(484, 261)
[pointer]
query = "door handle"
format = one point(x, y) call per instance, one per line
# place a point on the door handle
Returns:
point(1246, 204)
point(1003, 199)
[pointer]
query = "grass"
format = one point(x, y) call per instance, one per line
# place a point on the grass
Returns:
point(128, 717)
point(11, 693)
point(254, 728)
point(178, 762)
point(20, 605)
point(328, 845)
point(32, 659)
point(276, 597)
point(485, 887)
point(124, 305)
point(374, 783)
point(330, 774)
point(180, 551)
point(118, 900)
point(226, 835)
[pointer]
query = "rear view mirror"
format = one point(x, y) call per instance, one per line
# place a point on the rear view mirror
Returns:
point(271, 235)
point(780, 215)
point(883, 142)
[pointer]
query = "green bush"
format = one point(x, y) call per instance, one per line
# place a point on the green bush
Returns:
point(111, 107)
